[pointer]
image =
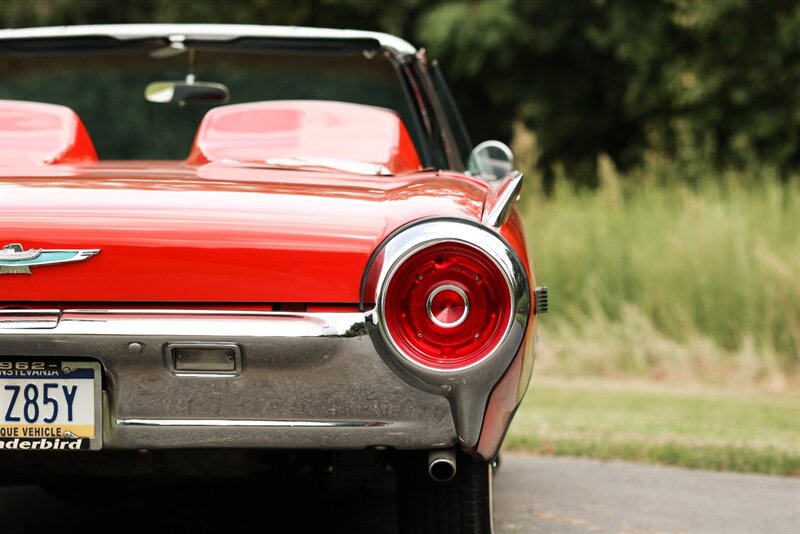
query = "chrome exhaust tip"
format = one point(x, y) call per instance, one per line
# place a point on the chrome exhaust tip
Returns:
point(442, 464)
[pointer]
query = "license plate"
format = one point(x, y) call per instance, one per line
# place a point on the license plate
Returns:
point(50, 405)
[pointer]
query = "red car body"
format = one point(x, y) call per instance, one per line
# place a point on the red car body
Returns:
point(281, 208)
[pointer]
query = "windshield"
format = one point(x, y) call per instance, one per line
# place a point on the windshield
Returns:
point(106, 88)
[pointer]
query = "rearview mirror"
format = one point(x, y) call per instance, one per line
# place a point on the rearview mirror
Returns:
point(491, 160)
point(183, 93)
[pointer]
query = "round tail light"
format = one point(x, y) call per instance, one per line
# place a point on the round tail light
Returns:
point(447, 306)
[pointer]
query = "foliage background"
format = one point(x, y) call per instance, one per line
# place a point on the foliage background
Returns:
point(715, 81)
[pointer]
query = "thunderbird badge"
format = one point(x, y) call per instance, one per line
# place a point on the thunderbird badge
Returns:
point(15, 260)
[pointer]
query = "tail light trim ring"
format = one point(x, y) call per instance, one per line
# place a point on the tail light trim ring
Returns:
point(398, 264)
point(404, 244)
point(429, 306)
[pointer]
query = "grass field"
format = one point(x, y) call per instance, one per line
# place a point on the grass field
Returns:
point(723, 431)
point(682, 289)
point(672, 283)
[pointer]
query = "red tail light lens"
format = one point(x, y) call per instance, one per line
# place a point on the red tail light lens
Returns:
point(447, 306)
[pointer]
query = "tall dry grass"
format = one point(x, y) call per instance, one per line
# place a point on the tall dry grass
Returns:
point(652, 277)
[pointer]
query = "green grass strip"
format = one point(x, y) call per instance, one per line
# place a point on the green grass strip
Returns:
point(747, 433)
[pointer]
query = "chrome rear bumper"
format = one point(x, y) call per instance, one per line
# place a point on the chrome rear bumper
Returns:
point(307, 380)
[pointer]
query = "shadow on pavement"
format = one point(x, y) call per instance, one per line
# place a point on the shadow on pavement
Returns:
point(203, 505)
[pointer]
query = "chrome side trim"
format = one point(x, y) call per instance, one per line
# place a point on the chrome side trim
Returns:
point(18, 318)
point(224, 324)
point(501, 199)
point(248, 423)
point(467, 388)
point(27, 312)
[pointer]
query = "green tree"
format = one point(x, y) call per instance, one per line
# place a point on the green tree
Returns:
point(717, 81)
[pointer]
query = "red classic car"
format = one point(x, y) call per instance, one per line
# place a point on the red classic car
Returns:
point(221, 239)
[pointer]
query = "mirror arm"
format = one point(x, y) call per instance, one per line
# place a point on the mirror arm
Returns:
point(501, 199)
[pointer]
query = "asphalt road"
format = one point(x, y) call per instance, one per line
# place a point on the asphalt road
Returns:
point(531, 495)
point(576, 495)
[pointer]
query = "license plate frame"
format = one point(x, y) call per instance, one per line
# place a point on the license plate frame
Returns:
point(40, 435)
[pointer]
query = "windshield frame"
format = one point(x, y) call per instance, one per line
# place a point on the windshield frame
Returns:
point(431, 136)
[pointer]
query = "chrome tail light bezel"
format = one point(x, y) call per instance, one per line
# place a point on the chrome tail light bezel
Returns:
point(468, 387)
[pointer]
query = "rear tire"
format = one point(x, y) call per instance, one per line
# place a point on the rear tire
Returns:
point(461, 506)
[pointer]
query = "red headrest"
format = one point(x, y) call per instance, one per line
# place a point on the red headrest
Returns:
point(36, 133)
point(305, 130)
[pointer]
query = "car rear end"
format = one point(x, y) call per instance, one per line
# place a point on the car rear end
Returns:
point(240, 308)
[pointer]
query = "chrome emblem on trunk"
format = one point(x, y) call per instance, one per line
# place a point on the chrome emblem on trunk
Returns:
point(15, 260)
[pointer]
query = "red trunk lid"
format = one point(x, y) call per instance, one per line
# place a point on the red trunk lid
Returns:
point(168, 232)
